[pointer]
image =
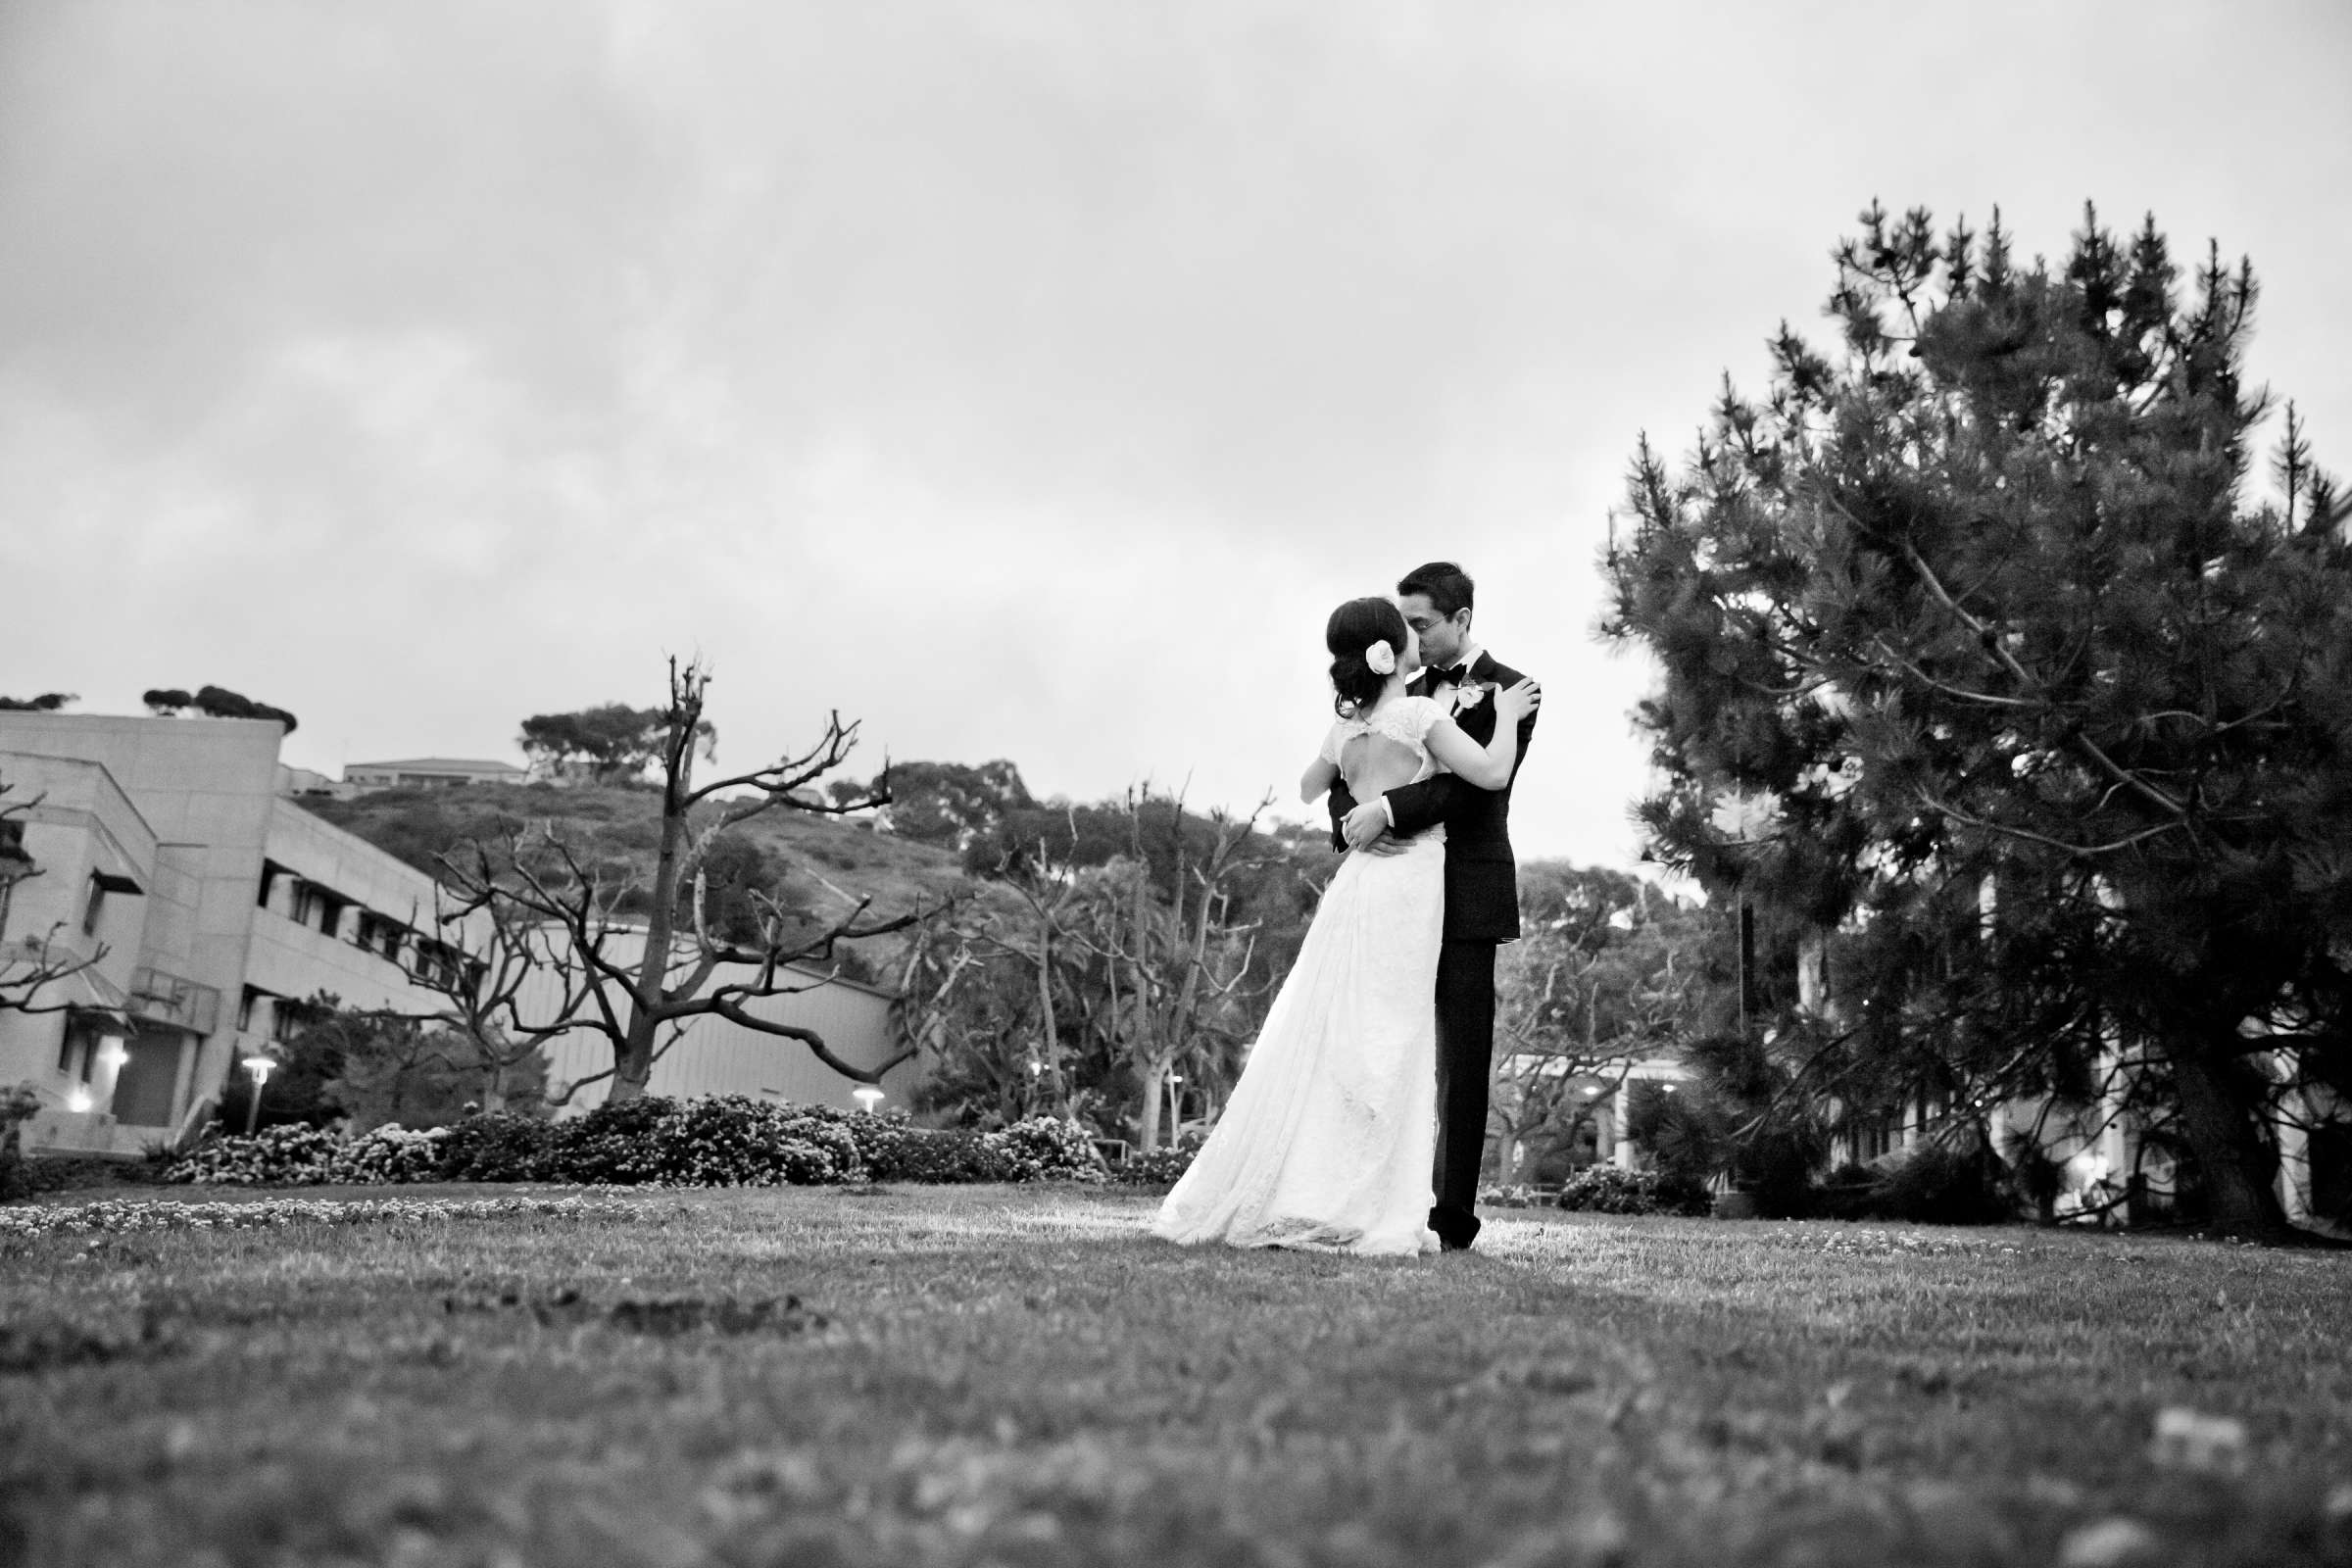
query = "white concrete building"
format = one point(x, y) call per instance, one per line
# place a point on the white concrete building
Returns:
point(217, 906)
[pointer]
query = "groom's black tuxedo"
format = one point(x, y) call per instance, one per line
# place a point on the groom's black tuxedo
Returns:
point(1482, 909)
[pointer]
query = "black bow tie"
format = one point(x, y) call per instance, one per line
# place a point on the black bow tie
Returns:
point(1452, 674)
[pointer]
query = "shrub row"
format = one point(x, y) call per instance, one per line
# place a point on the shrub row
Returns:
point(33, 1221)
point(1607, 1190)
point(1928, 1184)
point(723, 1141)
point(1159, 1168)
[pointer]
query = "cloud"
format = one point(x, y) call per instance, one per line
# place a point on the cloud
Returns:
point(1029, 380)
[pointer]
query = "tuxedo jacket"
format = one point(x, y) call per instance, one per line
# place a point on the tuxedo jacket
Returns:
point(1482, 878)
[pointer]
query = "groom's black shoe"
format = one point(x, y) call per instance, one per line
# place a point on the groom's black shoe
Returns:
point(1456, 1230)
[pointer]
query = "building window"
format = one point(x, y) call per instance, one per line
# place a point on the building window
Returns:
point(436, 965)
point(249, 999)
point(91, 910)
point(271, 872)
point(288, 1020)
point(66, 1042)
point(379, 935)
point(318, 907)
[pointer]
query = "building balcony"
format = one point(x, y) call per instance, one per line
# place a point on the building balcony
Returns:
point(162, 998)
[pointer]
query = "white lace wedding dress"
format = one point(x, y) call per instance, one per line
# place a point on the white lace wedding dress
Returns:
point(1328, 1139)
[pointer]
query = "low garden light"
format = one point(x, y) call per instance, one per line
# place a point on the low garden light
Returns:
point(261, 1068)
point(78, 1100)
point(868, 1096)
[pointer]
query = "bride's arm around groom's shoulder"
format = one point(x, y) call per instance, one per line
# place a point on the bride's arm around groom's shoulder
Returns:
point(1416, 807)
point(1485, 762)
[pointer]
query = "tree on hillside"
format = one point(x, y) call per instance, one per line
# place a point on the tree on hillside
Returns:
point(610, 742)
point(1976, 654)
point(214, 701)
point(33, 963)
point(638, 984)
point(46, 703)
point(947, 804)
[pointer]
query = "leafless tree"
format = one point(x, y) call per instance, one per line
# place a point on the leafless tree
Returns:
point(640, 999)
point(1175, 970)
point(33, 963)
point(502, 949)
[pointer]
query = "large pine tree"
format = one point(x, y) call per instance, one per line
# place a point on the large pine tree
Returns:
point(1978, 649)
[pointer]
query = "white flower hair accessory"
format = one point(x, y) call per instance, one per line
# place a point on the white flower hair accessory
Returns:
point(1380, 657)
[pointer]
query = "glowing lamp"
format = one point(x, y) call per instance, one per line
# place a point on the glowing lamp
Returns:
point(867, 1098)
point(79, 1100)
point(260, 1067)
point(113, 1052)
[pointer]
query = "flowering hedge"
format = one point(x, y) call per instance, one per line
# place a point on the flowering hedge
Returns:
point(1607, 1190)
point(1157, 1167)
point(116, 1217)
point(721, 1141)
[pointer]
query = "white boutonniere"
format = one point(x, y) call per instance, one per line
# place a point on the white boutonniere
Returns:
point(1467, 696)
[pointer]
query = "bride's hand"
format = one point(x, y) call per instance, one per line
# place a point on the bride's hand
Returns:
point(1515, 703)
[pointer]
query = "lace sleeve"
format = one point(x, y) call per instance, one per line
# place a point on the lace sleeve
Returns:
point(1424, 715)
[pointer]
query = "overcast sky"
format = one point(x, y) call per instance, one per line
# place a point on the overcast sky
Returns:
point(1024, 379)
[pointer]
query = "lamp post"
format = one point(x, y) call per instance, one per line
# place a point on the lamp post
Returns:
point(868, 1096)
point(261, 1068)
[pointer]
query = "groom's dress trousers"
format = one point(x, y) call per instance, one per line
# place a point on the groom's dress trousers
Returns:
point(1482, 911)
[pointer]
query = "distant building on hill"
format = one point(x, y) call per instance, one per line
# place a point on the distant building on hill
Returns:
point(429, 772)
point(302, 782)
point(220, 906)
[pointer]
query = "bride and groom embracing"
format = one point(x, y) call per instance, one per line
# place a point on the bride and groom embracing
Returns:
point(1358, 1085)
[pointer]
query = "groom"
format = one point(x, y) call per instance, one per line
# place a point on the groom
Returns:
point(1481, 881)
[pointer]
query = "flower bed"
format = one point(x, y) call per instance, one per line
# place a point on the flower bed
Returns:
point(720, 1140)
point(1607, 1190)
point(1157, 1167)
point(116, 1217)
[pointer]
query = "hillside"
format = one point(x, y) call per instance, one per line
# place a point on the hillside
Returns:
point(809, 862)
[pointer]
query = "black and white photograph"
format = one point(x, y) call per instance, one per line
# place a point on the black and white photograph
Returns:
point(1212, 783)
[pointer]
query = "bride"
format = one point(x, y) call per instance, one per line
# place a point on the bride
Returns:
point(1330, 1134)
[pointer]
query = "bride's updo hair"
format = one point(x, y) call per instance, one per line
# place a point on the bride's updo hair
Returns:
point(1354, 627)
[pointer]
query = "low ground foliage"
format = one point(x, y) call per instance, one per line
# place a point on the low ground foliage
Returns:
point(961, 1375)
point(711, 1141)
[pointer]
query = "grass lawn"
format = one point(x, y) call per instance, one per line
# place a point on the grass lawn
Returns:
point(1020, 1375)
